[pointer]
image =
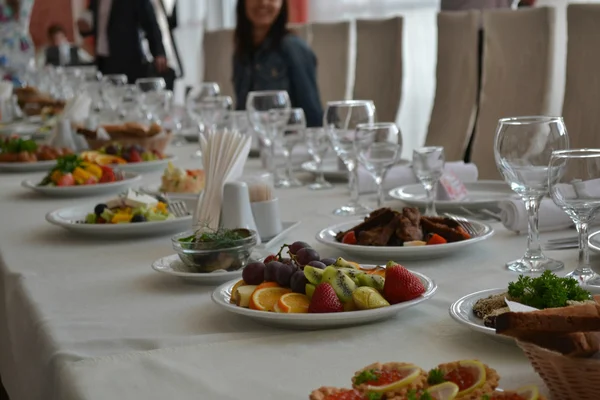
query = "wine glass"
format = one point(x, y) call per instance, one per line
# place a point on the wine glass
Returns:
point(340, 121)
point(318, 144)
point(151, 84)
point(128, 99)
point(203, 91)
point(110, 83)
point(378, 148)
point(428, 166)
point(197, 94)
point(261, 107)
point(293, 133)
point(574, 184)
point(523, 147)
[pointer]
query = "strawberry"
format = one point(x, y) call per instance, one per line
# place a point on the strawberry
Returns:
point(324, 300)
point(349, 238)
point(134, 156)
point(108, 175)
point(271, 257)
point(400, 285)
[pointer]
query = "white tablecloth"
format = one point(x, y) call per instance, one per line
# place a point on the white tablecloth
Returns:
point(82, 318)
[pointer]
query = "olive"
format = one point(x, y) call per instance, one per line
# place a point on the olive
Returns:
point(138, 218)
point(99, 209)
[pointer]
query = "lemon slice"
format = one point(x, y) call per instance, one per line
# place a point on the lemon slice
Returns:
point(472, 368)
point(443, 391)
point(410, 372)
point(530, 392)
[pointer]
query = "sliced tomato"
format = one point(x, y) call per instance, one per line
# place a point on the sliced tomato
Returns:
point(92, 180)
point(349, 238)
point(108, 175)
point(66, 180)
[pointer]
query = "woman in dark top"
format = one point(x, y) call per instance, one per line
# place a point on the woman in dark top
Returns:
point(269, 57)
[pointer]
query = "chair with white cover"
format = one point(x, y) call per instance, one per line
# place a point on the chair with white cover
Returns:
point(331, 45)
point(302, 30)
point(218, 59)
point(378, 74)
point(455, 104)
point(582, 87)
point(517, 69)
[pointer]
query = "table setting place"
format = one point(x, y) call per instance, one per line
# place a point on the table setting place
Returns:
point(241, 251)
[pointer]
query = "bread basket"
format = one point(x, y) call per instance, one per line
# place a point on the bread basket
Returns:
point(567, 378)
point(152, 143)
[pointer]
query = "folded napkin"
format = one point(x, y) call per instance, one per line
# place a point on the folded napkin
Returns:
point(403, 175)
point(6, 90)
point(65, 136)
point(551, 217)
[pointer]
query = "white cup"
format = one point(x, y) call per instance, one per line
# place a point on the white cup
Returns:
point(267, 218)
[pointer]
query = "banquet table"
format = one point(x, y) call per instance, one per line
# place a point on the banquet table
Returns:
point(83, 318)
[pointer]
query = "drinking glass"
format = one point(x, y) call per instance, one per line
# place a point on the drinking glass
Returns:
point(293, 133)
point(128, 99)
point(203, 91)
point(151, 84)
point(340, 121)
point(110, 83)
point(268, 112)
point(318, 144)
point(197, 94)
point(378, 148)
point(523, 147)
point(574, 184)
point(428, 166)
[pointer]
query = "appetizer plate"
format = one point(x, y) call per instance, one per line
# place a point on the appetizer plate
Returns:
point(481, 194)
point(173, 266)
point(222, 295)
point(68, 218)
point(155, 190)
point(331, 168)
point(146, 166)
point(27, 166)
point(129, 179)
point(399, 253)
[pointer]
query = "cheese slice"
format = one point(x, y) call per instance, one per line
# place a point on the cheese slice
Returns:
point(135, 200)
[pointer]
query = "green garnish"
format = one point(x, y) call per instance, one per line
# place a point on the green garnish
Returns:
point(435, 377)
point(368, 375)
point(413, 395)
point(485, 397)
point(17, 145)
point(374, 396)
point(546, 291)
point(426, 396)
point(65, 164)
point(220, 238)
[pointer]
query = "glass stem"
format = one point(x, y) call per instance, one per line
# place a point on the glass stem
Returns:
point(431, 192)
point(584, 253)
point(380, 195)
point(321, 176)
point(532, 205)
point(354, 195)
point(272, 163)
point(288, 163)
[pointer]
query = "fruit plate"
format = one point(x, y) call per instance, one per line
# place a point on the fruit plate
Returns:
point(173, 266)
point(146, 166)
point(27, 166)
point(129, 178)
point(398, 253)
point(222, 295)
point(68, 218)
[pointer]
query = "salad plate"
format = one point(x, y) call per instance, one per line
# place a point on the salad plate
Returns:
point(222, 296)
point(173, 266)
point(481, 194)
point(384, 253)
point(146, 166)
point(129, 178)
point(36, 166)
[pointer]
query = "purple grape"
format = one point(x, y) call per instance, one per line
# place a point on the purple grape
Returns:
point(284, 274)
point(298, 282)
point(317, 264)
point(306, 255)
point(271, 270)
point(297, 246)
point(254, 273)
point(286, 261)
point(328, 261)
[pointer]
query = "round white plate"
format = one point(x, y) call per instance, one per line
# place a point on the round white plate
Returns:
point(594, 242)
point(83, 190)
point(172, 265)
point(67, 218)
point(20, 128)
point(397, 253)
point(481, 194)
point(155, 190)
point(331, 168)
point(146, 166)
point(27, 166)
point(222, 295)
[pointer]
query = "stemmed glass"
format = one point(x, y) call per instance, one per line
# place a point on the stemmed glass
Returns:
point(128, 97)
point(428, 166)
point(340, 121)
point(152, 90)
point(110, 92)
point(318, 144)
point(151, 84)
point(197, 94)
point(292, 135)
point(268, 112)
point(523, 147)
point(574, 184)
point(211, 111)
point(378, 148)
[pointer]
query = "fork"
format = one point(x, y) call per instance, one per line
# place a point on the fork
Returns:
point(177, 207)
point(464, 223)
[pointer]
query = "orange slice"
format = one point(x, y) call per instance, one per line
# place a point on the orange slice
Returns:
point(234, 292)
point(267, 284)
point(294, 303)
point(107, 159)
point(89, 155)
point(266, 298)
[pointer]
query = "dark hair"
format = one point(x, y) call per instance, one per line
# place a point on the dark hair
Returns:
point(243, 30)
point(54, 29)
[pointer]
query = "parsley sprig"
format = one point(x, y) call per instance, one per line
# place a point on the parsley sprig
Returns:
point(436, 376)
point(220, 238)
point(65, 164)
point(17, 145)
point(369, 375)
point(414, 395)
point(546, 291)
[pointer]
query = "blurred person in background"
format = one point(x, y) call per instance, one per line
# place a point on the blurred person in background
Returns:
point(17, 53)
point(269, 57)
point(59, 52)
point(117, 27)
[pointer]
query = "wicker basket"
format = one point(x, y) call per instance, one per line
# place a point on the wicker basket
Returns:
point(158, 142)
point(567, 378)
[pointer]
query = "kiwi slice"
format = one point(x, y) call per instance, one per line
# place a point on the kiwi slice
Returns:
point(313, 275)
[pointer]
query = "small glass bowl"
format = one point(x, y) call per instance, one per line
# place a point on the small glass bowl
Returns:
point(206, 258)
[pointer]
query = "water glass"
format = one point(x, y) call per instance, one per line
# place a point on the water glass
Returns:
point(523, 148)
point(110, 93)
point(203, 91)
point(574, 184)
point(293, 134)
point(151, 84)
point(428, 166)
point(378, 148)
point(318, 144)
point(128, 99)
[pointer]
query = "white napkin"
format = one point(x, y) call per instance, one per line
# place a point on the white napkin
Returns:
point(65, 136)
point(78, 108)
point(551, 217)
point(403, 175)
point(6, 90)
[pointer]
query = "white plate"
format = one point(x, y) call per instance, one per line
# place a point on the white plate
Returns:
point(67, 218)
point(155, 190)
point(222, 295)
point(398, 253)
point(27, 166)
point(20, 128)
point(481, 194)
point(594, 242)
point(173, 266)
point(146, 166)
point(83, 190)
point(331, 168)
